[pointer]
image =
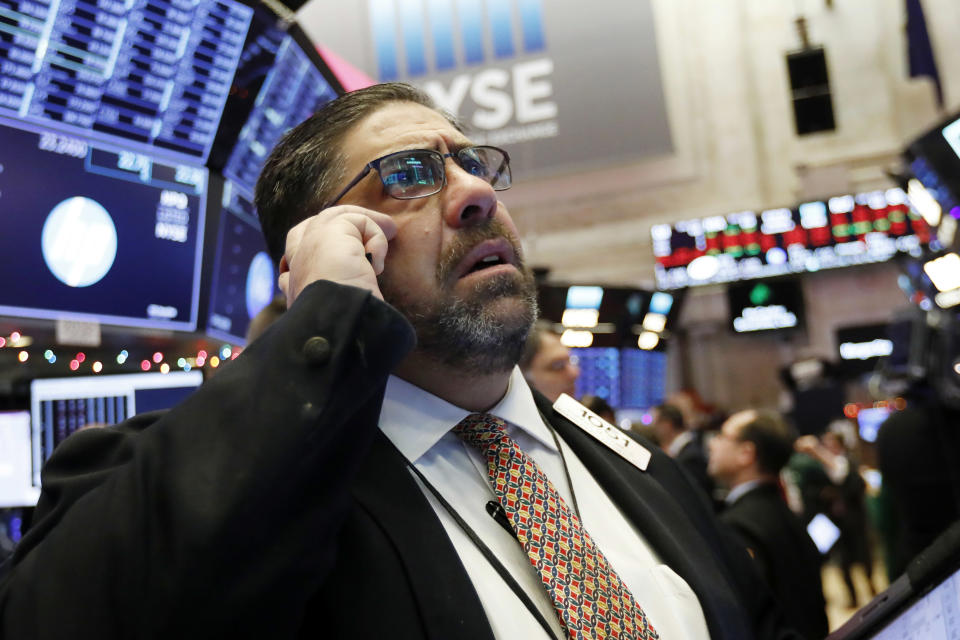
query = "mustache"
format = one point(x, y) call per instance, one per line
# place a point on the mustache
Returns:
point(466, 240)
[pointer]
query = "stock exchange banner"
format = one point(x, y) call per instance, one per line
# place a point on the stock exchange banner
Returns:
point(560, 84)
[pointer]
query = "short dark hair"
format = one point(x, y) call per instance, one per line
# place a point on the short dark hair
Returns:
point(771, 437)
point(671, 414)
point(306, 167)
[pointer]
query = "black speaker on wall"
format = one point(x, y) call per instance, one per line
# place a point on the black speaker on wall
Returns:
point(810, 89)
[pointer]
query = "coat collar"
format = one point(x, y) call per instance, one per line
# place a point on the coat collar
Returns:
point(682, 533)
point(449, 605)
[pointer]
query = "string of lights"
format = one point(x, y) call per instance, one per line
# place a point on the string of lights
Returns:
point(84, 362)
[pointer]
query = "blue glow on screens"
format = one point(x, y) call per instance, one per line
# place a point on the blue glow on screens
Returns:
point(661, 302)
point(150, 73)
point(625, 378)
point(599, 373)
point(293, 89)
point(101, 233)
point(580, 297)
point(643, 378)
point(244, 277)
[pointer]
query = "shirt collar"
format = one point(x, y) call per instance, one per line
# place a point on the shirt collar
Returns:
point(414, 420)
point(741, 489)
point(679, 443)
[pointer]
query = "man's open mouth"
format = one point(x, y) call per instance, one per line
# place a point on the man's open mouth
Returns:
point(487, 254)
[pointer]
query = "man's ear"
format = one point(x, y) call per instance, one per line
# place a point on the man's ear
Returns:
point(283, 280)
point(747, 453)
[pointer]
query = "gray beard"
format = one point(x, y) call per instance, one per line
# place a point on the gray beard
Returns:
point(466, 332)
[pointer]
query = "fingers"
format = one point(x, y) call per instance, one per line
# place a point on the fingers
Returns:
point(376, 236)
point(334, 245)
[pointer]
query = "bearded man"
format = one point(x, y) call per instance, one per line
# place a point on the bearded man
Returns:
point(374, 465)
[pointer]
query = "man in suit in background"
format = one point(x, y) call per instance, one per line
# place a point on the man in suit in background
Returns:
point(547, 365)
point(747, 456)
point(374, 465)
point(682, 445)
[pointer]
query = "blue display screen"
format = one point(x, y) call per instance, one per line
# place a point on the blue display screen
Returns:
point(98, 233)
point(643, 378)
point(599, 373)
point(244, 277)
point(150, 73)
point(292, 90)
point(625, 378)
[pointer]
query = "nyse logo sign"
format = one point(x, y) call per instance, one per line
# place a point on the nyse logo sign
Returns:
point(483, 60)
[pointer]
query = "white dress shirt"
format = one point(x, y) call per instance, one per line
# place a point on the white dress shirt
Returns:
point(419, 424)
point(682, 440)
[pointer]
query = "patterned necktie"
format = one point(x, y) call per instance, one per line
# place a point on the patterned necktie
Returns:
point(589, 597)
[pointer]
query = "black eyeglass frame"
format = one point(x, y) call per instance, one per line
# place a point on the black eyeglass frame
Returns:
point(375, 166)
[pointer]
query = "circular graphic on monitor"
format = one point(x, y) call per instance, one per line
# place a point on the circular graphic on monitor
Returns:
point(260, 279)
point(79, 242)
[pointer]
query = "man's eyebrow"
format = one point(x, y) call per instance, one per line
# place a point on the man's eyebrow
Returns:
point(457, 145)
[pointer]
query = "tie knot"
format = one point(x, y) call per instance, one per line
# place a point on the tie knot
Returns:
point(481, 429)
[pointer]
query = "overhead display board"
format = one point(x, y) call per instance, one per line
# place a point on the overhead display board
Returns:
point(842, 231)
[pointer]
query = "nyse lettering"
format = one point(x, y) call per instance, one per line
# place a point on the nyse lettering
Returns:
point(520, 94)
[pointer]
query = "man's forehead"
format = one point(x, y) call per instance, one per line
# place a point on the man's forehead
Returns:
point(398, 125)
point(737, 422)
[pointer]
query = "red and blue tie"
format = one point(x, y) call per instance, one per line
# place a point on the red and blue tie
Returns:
point(589, 597)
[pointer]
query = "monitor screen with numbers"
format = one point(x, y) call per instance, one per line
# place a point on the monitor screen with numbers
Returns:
point(152, 75)
point(100, 232)
point(280, 81)
point(62, 406)
point(922, 604)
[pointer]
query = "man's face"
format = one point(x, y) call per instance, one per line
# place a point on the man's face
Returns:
point(662, 428)
point(552, 371)
point(728, 454)
point(466, 314)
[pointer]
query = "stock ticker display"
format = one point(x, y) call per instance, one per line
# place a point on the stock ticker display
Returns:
point(293, 89)
point(842, 231)
point(155, 73)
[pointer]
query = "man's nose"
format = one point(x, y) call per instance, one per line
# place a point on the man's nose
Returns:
point(470, 199)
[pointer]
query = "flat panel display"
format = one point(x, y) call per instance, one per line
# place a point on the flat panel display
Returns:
point(643, 378)
point(628, 378)
point(599, 373)
point(62, 406)
point(16, 479)
point(97, 232)
point(934, 158)
point(934, 616)
point(244, 277)
point(293, 89)
point(860, 348)
point(842, 231)
point(154, 74)
point(765, 306)
point(280, 81)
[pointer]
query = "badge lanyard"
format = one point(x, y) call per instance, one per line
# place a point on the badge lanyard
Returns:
point(497, 513)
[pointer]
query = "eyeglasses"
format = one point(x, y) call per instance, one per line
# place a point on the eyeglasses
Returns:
point(418, 173)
